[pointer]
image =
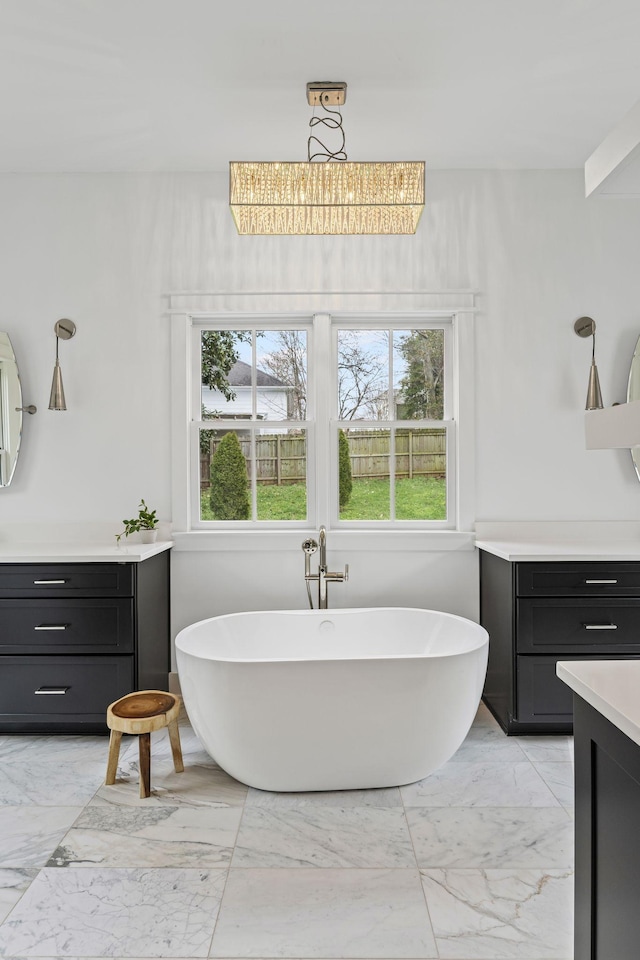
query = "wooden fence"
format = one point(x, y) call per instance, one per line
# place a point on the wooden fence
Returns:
point(419, 453)
point(281, 457)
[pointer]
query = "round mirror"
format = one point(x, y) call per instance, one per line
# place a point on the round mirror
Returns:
point(10, 411)
point(633, 393)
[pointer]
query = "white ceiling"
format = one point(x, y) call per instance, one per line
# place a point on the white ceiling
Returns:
point(156, 85)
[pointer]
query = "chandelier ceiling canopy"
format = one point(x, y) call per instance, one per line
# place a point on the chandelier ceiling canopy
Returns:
point(331, 197)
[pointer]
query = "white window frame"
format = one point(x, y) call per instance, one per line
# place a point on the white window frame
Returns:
point(395, 322)
point(254, 322)
point(322, 408)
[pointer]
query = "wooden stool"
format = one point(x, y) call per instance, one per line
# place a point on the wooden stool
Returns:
point(139, 714)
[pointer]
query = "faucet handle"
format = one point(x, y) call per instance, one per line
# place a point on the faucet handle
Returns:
point(309, 546)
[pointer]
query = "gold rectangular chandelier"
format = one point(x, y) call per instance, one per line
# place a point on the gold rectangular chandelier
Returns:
point(326, 198)
point(335, 197)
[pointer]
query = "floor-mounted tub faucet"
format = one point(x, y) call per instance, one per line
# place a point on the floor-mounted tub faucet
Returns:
point(323, 576)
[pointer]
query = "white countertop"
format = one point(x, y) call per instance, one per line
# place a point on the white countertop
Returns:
point(612, 687)
point(523, 550)
point(99, 552)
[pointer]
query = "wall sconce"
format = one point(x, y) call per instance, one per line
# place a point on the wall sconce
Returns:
point(64, 329)
point(586, 327)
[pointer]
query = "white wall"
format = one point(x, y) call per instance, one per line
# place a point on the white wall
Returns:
point(103, 249)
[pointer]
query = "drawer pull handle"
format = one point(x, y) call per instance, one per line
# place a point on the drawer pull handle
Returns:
point(49, 581)
point(600, 626)
point(600, 581)
point(51, 626)
point(51, 691)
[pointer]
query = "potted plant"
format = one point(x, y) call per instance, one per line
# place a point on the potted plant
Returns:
point(145, 524)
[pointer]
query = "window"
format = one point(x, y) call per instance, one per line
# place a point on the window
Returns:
point(310, 420)
point(253, 430)
point(392, 384)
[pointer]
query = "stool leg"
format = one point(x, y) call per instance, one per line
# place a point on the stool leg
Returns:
point(114, 753)
point(176, 749)
point(145, 764)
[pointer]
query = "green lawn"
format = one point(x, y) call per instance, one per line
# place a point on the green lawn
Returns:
point(422, 498)
point(288, 502)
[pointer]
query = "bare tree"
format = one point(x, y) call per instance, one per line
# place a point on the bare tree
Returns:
point(363, 372)
point(289, 364)
point(363, 377)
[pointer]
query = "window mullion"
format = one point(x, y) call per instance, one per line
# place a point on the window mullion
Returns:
point(451, 476)
point(448, 411)
point(392, 473)
point(324, 390)
point(254, 475)
point(254, 378)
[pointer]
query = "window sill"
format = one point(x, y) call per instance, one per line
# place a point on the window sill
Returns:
point(388, 541)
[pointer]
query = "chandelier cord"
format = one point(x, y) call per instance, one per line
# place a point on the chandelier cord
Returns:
point(333, 122)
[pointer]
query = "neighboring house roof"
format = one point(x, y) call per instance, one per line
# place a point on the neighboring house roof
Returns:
point(240, 376)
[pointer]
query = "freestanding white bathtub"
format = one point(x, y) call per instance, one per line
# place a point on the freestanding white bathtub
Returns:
point(332, 699)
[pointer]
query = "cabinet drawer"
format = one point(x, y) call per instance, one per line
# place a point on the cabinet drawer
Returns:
point(66, 580)
point(578, 626)
point(541, 696)
point(66, 626)
point(36, 690)
point(578, 579)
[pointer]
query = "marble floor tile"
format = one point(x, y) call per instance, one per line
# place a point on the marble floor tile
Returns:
point(115, 913)
point(314, 875)
point(379, 797)
point(324, 837)
point(13, 884)
point(539, 749)
point(559, 777)
point(489, 742)
point(29, 835)
point(490, 784)
point(491, 836)
point(50, 783)
point(198, 786)
point(323, 913)
point(496, 914)
point(156, 836)
point(60, 749)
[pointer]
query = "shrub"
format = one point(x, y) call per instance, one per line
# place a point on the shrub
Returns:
point(344, 468)
point(229, 481)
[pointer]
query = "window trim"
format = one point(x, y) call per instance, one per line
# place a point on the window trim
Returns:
point(462, 393)
point(246, 322)
point(397, 321)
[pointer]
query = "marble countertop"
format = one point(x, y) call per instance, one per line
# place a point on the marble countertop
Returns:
point(612, 687)
point(523, 550)
point(98, 552)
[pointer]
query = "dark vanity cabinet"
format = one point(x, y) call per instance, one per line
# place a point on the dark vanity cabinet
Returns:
point(76, 636)
point(537, 613)
point(607, 839)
